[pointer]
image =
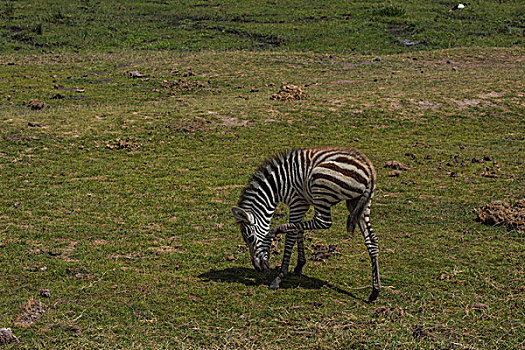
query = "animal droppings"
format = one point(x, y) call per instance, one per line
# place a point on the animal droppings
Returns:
point(501, 213)
point(289, 92)
point(394, 164)
point(31, 311)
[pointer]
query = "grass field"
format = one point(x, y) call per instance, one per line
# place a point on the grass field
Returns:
point(116, 195)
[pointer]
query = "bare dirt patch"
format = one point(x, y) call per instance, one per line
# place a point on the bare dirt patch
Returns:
point(165, 249)
point(468, 103)
point(501, 213)
point(232, 121)
point(492, 94)
point(428, 105)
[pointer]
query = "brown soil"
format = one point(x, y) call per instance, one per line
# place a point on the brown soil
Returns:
point(501, 213)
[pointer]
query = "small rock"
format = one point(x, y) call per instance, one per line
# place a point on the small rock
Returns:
point(45, 293)
point(455, 69)
point(411, 155)
point(136, 74)
point(35, 125)
point(377, 59)
point(58, 97)
point(7, 336)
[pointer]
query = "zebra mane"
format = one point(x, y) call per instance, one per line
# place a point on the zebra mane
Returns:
point(259, 172)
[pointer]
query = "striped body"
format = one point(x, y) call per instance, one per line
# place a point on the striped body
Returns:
point(300, 178)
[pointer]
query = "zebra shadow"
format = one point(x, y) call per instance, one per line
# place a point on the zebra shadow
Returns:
point(249, 277)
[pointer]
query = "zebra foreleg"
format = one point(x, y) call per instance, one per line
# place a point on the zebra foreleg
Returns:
point(288, 248)
point(301, 258)
point(321, 220)
point(298, 210)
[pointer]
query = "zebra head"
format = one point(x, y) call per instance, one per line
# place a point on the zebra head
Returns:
point(255, 237)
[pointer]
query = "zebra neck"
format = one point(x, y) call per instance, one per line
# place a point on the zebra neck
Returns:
point(262, 197)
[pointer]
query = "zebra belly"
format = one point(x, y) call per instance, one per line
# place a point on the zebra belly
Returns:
point(330, 184)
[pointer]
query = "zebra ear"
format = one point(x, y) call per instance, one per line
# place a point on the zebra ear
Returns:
point(243, 216)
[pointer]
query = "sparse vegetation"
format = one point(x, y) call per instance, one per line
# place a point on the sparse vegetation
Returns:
point(127, 133)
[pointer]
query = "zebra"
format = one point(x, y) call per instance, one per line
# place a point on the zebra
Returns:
point(302, 177)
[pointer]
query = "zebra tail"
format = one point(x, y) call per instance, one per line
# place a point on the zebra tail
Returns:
point(362, 202)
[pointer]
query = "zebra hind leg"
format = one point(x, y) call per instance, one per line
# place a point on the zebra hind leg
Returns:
point(373, 250)
point(351, 221)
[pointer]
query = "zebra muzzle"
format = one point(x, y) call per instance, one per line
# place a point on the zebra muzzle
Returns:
point(261, 264)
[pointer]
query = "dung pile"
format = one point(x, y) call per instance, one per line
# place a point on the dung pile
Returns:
point(289, 92)
point(322, 252)
point(31, 311)
point(501, 213)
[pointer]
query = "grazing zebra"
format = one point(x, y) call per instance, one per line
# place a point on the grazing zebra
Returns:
point(299, 178)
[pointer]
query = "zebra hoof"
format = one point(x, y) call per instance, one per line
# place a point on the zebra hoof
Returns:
point(275, 284)
point(373, 295)
point(298, 271)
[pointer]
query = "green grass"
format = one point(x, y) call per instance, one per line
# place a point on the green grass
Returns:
point(372, 27)
point(117, 195)
point(146, 222)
